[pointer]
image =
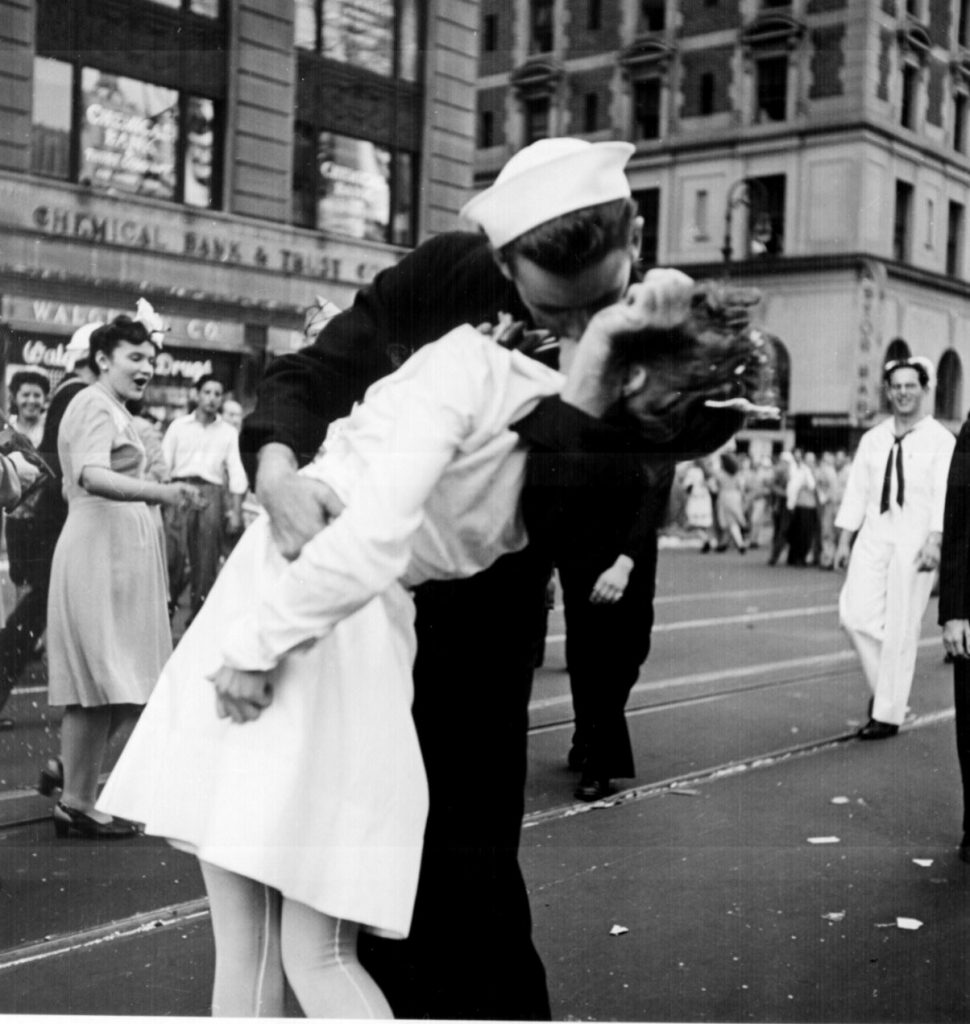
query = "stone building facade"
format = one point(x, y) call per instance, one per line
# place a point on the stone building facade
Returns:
point(823, 144)
point(230, 160)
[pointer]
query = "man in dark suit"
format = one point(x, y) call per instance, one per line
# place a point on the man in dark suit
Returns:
point(954, 608)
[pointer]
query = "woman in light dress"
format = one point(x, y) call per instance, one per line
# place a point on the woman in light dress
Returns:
point(107, 626)
point(308, 821)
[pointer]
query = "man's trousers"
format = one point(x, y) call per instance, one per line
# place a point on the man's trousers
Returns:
point(469, 954)
point(881, 609)
point(193, 544)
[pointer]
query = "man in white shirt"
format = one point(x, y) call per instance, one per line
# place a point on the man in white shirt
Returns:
point(894, 498)
point(201, 448)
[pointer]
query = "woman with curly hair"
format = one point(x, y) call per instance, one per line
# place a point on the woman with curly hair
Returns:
point(107, 625)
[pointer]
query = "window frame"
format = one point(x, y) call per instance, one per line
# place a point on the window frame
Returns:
point(397, 48)
point(310, 200)
point(77, 66)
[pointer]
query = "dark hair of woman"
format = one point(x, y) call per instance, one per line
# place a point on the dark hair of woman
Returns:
point(108, 337)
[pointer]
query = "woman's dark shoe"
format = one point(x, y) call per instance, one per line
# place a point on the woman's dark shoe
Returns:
point(68, 820)
point(876, 730)
point(590, 789)
point(51, 777)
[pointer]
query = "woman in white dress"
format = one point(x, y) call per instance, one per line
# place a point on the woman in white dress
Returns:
point(308, 822)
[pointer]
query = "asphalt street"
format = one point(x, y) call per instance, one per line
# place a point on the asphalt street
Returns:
point(764, 865)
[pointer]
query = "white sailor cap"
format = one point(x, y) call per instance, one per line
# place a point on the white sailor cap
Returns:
point(546, 180)
point(80, 343)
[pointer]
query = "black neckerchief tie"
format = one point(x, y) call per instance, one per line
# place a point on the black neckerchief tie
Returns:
point(897, 447)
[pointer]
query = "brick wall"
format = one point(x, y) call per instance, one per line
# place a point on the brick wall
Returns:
point(500, 59)
point(581, 40)
point(699, 18)
point(694, 64)
point(828, 61)
point(581, 84)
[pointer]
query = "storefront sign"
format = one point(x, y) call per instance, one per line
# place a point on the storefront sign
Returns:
point(167, 237)
point(867, 382)
point(46, 313)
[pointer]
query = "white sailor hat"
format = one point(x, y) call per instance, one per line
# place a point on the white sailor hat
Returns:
point(80, 343)
point(546, 180)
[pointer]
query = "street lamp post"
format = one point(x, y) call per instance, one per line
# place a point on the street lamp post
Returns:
point(740, 194)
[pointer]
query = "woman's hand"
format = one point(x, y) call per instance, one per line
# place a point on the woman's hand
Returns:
point(661, 300)
point(241, 695)
point(181, 495)
point(612, 583)
point(26, 472)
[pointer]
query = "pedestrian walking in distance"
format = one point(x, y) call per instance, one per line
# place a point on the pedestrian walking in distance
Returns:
point(201, 449)
point(893, 504)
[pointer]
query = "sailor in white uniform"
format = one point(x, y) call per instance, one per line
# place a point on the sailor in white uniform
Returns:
point(894, 501)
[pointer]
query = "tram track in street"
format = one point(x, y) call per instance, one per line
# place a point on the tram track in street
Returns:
point(184, 913)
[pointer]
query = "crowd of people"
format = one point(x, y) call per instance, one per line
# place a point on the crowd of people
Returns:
point(499, 403)
point(786, 501)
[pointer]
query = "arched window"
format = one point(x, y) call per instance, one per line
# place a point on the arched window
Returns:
point(949, 387)
point(898, 349)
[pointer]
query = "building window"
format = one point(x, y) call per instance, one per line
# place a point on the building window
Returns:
point(208, 8)
point(653, 15)
point(954, 239)
point(930, 223)
point(648, 207)
point(128, 137)
point(50, 132)
point(382, 36)
point(913, 9)
point(540, 25)
point(646, 108)
point(907, 107)
point(948, 403)
point(591, 112)
point(963, 24)
point(536, 119)
point(486, 130)
point(594, 16)
point(706, 104)
point(490, 33)
point(771, 89)
point(901, 221)
point(768, 204)
point(353, 187)
point(700, 215)
point(960, 122)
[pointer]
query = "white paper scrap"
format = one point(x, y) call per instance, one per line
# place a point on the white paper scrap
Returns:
point(819, 840)
point(618, 929)
point(923, 862)
point(839, 800)
point(835, 915)
point(909, 924)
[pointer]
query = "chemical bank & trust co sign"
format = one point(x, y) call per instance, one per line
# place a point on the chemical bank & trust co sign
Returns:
point(213, 243)
point(69, 214)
